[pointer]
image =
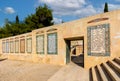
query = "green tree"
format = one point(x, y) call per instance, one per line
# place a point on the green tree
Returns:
point(41, 18)
point(106, 8)
point(62, 21)
point(17, 19)
point(7, 30)
point(2, 32)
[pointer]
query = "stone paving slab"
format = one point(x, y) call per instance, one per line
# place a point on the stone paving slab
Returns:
point(71, 72)
point(25, 71)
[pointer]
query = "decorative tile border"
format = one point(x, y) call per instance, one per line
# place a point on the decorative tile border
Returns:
point(99, 44)
point(52, 43)
point(40, 44)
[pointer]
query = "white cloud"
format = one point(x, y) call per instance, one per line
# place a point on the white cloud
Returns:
point(117, 0)
point(64, 3)
point(57, 20)
point(86, 11)
point(113, 6)
point(9, 10)
point(77, 8)
point(70, 7)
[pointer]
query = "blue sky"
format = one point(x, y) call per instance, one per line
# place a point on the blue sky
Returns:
point(63, 10)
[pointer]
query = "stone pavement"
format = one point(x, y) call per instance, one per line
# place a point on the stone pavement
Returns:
point(25, 71)
point(71, 72)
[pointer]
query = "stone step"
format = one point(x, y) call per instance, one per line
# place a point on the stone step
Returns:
point(102, 75)
point(111, 73)
point(90, 75)
point(117, 60)
point(115, 66)
point(106, 73)
point(94, 76)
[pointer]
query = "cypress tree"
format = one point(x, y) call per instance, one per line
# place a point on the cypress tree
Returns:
point(17, 19)
point(106, 8)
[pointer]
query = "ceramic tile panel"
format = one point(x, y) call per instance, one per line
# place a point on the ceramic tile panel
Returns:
point(99, 40)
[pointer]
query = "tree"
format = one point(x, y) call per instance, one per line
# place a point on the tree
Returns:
point(41, 18)
point(17, 19)
point(2, 32)
point(62, 21)
point(106, 8)
point(44, 15)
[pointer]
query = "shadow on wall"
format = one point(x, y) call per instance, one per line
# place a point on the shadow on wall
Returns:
point(74, 51)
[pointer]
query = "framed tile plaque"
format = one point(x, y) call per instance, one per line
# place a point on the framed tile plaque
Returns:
point(98, 40)
point(16, 46)
point(40, 44)
point(11, 46)
point(29, 45)
point(52, 43)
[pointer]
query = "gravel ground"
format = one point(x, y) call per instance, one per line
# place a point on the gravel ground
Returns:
point(25, 71)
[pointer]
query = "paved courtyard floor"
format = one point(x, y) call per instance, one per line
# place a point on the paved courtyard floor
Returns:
point(25, 71)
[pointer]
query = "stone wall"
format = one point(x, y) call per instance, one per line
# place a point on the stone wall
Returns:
point(47, 45)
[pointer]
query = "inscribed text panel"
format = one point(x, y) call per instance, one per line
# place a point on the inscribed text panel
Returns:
point(52, 43)
point(29, 45)
point(40, 44)
point(99, 40)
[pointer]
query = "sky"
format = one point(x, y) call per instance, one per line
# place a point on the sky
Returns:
point(63, 10)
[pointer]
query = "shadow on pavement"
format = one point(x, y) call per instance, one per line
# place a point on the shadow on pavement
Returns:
point(2, 59)
point(79, 60)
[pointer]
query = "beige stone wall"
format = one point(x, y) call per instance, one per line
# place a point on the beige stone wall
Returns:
point(79, 50)
point(68, 30)
point(114, 42)
point(77, 47)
